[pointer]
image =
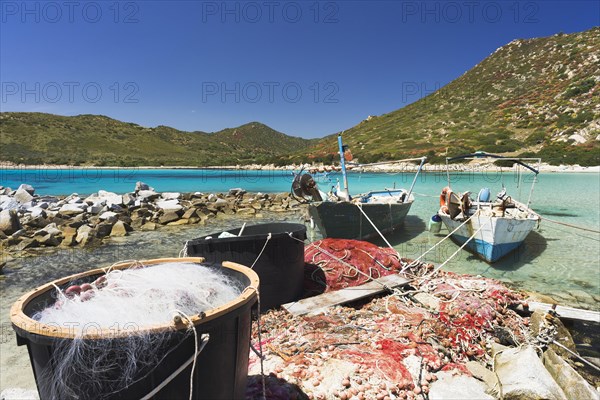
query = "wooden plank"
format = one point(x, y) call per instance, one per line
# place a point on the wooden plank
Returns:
point(567, 312)
point(313, 305)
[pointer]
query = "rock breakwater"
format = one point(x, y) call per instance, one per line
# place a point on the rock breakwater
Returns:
point(29, 221)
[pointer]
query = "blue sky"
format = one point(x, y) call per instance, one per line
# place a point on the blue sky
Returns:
point(305, 68)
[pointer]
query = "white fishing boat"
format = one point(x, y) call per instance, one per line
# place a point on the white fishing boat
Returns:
point(338, 214)
point(489, 227)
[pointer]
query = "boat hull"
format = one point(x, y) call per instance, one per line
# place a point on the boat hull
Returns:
point(498, 237)
point(343, 220)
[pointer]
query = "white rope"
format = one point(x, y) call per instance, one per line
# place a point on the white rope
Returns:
point(416, 261)
point(377, 230)
point(456, 252)
point(260, 349)
point(184, 252)
point(192, 360)
point(263, 249)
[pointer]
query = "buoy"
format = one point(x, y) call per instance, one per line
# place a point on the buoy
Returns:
point(435, 224)
point(484, 195)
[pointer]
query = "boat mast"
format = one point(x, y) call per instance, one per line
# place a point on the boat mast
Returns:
point(345, 194)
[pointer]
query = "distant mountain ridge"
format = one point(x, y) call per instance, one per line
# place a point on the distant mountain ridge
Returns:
point(536, 96)
point(37, 138)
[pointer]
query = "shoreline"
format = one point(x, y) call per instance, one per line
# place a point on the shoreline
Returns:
point(402, 167)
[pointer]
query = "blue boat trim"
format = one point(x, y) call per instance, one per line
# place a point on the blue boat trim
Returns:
point(490, 252)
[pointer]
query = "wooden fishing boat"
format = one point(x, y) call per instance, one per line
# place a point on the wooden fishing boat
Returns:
point(490, 228)
point(337, 214)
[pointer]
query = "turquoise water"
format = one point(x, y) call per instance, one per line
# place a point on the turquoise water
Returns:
point(554, 260)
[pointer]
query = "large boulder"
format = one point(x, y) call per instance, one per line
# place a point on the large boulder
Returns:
point(72, 209)
point(28, 188)
point(9, 222)
point(167, 217)
point(524, 377)
point(574, 386)
point(169, 205)
point(105, 198)
point(147, 195)
point(85, 234)
point(8, 203)
point(450, 387)
point(120, 228)
point(23, 196)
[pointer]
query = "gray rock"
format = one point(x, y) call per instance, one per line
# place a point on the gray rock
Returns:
point(167, 217)
point(236, 192)
point(71, 209)
point(120, 229)
point(49, 229)
point(139, 186)
point(563, 336)
point(69, 236)
point(149, 226)
point(572, 384)
point(84, 234)
point(169, 205)
point(246, 211)
point(27, 188)
point(9, 204)
point(47, 239)
point(108, 215)
point(23, 196)
point(190, 213)
point(38, 212)
point(452, 387)
point(27, 243)
point(480, 372)
point(148, 195)
point(19, 233)
point(9, 222)
point(524, 377)
point(171, 195)
point(103, 229)
point(105, 198)
point(75, 200)
point(96, 209)
point(128, 199)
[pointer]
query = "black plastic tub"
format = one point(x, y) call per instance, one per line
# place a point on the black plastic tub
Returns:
point(221, 368)
point(280, 267)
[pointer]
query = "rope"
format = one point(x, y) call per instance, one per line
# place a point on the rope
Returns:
point(191, 360)
point(377, 230)
point(456, 252)
point(184, 252)
point(575, 354)
point(342, 262)
point(569, 225)
point(261, 356)
point(414, 262)
point(263, 249)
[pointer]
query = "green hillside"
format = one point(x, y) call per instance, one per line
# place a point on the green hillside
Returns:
point(536, 96)
point(35, 138)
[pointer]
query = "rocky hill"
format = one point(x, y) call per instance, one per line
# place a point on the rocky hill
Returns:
point(535, 96)
point(36, 138)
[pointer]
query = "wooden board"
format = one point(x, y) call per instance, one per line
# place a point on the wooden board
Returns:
point(567, 312)
point(313, 305)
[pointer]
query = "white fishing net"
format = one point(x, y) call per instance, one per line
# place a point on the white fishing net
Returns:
point(129, 301)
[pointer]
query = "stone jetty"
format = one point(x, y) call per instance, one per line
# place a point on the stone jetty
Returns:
point(30, 221)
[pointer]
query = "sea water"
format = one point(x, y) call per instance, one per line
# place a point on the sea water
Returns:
point(556, 260)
